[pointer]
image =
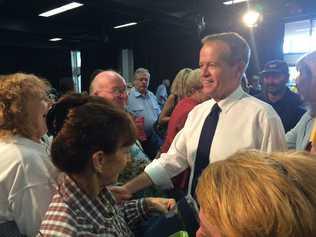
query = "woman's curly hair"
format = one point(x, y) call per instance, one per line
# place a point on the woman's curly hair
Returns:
point(17, 91)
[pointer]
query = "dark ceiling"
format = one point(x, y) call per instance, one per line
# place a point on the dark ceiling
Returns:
point(20, 24)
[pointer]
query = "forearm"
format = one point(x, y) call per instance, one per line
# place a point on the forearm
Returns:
point(141, 182)
point(164, 120)
point(134, 211)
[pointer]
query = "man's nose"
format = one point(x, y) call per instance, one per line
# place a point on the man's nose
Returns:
point(204, 72)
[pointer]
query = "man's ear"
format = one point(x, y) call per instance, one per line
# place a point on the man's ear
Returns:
point(98, 159)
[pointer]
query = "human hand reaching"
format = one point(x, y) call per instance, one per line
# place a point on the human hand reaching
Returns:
point(120, 193)
point(161, 205)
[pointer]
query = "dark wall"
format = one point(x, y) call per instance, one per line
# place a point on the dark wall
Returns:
point(164, 56)
point(97, 56)
point(164, 53)
point(51, 64)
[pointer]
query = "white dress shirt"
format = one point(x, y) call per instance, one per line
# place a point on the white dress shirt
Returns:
point(244, 123)
point(298, 137)
point(27, 178)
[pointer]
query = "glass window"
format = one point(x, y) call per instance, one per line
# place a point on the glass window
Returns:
point(297, 37)
point(313, 38)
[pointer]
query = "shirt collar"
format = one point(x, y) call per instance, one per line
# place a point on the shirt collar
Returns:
point(137, 93)
point(228, 102)
point(17, 139)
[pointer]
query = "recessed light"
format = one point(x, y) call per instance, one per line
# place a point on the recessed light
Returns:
point(125, 25)
point(55, 39)
point(234, 2)
point(61, 9)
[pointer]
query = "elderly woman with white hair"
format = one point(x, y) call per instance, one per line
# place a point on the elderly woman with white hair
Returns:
point(301, 136)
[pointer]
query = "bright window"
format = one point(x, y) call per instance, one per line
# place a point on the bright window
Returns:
point(299, 38)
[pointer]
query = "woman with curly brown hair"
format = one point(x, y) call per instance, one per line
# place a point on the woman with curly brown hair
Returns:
point(26, 172)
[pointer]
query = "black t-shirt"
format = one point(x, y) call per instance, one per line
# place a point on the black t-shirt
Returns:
point(289, 108)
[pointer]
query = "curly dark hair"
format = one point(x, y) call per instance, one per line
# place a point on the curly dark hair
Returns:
point(87, 124)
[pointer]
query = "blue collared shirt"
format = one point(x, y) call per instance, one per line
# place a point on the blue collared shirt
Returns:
point(144, 106)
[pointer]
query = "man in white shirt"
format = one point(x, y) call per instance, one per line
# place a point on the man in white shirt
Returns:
point(244, 121)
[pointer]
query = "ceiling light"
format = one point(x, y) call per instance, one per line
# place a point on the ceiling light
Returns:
point(234, 2)
point(125, 25)
point(61, 9)
point(251, 18)
point(55, 39)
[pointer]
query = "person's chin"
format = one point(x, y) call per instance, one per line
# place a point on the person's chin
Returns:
point(208, 91)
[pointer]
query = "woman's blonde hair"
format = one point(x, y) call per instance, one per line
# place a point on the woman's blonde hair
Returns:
point(256, 194)
point(193, 82)
point(16, 93)
point(178, 86)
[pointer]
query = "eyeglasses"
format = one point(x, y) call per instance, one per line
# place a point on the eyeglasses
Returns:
point(115, 91)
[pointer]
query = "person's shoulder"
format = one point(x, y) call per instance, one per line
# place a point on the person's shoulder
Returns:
point(59, 207)
point(295, 98)
point(59, 220)
point(305, 117)
point(10, 151)
point(260, 96)
point(151, 94)
point(206, 105)
point(132, 92)
point(256, 105)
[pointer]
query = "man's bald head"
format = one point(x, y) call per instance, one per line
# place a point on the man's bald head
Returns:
point(111, 86)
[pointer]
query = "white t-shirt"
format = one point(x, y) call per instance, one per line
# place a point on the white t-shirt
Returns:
point(27, 183)
point(244, 123)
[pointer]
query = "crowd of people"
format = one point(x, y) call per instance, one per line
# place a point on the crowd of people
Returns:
point(236, 164)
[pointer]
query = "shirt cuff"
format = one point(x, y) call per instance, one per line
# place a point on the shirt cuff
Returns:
point(158, 175)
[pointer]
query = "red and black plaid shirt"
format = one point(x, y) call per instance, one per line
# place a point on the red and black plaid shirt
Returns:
point(73, 213)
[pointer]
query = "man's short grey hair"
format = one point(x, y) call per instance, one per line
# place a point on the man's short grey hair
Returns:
point(239, 48)
point(141, 71)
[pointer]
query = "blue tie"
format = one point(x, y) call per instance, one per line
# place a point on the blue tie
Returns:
point(205, 142)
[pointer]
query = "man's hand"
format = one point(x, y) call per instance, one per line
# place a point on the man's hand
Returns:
point(126, 191)
point(120, 193)
point(161, 205)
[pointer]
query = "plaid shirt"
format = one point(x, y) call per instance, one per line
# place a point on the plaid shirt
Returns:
point(73, 213)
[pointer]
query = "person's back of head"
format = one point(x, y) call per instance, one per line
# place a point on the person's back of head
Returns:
point(306, 80)
point(166, 82)
point(193, 82)
point(66, 85)
point(92, 77)
point(178, 87)
point(257, 194)
point(81, 125)
point(310, 60)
